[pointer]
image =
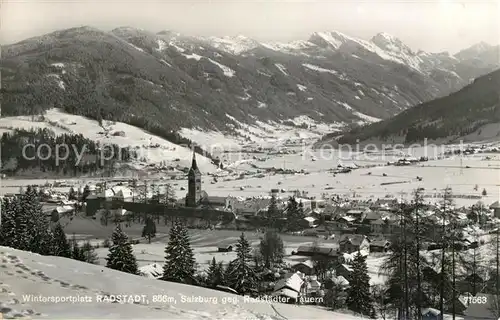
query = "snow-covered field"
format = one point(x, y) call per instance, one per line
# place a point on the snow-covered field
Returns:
point(374, 179)
point(29, 281)
point(462, 175)
point(205, 249)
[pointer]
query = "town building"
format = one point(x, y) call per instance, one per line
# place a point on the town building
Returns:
point(194, 195)
point(349, 243)
point(495, 206)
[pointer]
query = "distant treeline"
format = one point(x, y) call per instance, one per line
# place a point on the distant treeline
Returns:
point(21, 150)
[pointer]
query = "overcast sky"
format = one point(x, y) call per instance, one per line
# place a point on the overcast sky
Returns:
point(431, 25)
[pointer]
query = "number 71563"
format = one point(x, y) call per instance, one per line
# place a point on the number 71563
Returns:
point(476, 300)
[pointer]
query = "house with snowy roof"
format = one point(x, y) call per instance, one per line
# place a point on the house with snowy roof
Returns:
point(329, 250)
point(431, 314)
point(380, 245)
point(353, 242)
point(306, 267)
point(343, 270)
point(336, 280)
point(291, 287)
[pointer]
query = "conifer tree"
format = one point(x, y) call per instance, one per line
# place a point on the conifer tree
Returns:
point(149, 230)
point(405, 263)
point(8, 228)
point(475, 268)
point(359, 298)
point(335, 296)
point(86, 192)
point(61, 245)
point(121, 256)
point(215, 274)
point(271, 248)
point(446, 212)
point(273, 213)
point(24, 225)
point(295, 215)
point(72, 194)
point(242, 276)
point(76, 251)
point(494, 262)
point(179, 257)
point(89, 253)
point(23, 234)
point(40, 236)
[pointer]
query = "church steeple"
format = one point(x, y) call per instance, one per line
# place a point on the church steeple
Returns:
point(194, 184)
point(194, 165)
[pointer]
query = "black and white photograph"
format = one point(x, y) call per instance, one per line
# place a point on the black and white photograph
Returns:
point(250, 159)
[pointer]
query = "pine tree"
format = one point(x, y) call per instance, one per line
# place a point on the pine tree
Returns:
point(149, 230)
point(89, 253)
point(121, 256)
point(61, 244)
point(24, 225)
point(295, 215)
point(215, 274)
point(271, 248)
point(86, 192)
point(475, 268)
point(335, 297)
point(406, 263)
point(381, 303)
point(76, 251)
point(169, 195)
point(39, 228)
point(446, 213)
point(273, 213)
point(242, 276)
point(8, 229)
point(494, 262)
point(72, 194)
point(179, 257)
point(359, 298)
point(23, 234)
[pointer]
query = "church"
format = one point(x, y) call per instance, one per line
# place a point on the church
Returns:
point(196, 197)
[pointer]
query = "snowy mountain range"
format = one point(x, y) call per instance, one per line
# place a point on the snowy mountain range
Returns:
point(164, 82)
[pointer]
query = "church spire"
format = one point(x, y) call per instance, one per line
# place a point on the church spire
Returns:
point(194, 165)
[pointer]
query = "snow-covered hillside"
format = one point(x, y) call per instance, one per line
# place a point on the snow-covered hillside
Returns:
point(297, 130)
point(28, 279)
point(150, 148)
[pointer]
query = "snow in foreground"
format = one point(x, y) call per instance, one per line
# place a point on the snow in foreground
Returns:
point(26, 275)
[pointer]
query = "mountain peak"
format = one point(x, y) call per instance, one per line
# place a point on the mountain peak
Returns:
point(390, 43)
point(332, 39)
point(232, 44)
point(386, 36)
point(482, 45)
point(474, 51)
